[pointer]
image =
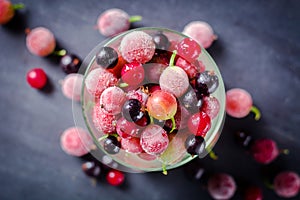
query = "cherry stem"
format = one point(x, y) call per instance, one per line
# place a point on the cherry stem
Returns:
point(256, 112)
point(173, 124)
point(135, 18)
point(284, 151)
point(123, 85)
point(172, 59)
point(212, 155)
point(103, 137)
point(164, 169)
point(18, 6)
point(61, 52)
point(151, 120)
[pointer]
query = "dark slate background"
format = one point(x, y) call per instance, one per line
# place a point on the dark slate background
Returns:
point(257, 49)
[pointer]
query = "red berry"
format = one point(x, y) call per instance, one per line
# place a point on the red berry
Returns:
point(36, 78)
point(190, 69)
point(287, 184)
point(115, 177)
point(131, 145)
point(238, 102)
point(189, 49)
point(133, 73)
point(253, 193)
point(211, 106)
point(221, 186)
point(105, 123)
point(264, 151)
point(199, 124)
point(6, 11)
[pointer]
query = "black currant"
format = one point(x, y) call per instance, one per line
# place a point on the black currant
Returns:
point(107, 57)
point(91, 168)
point(161, 41)
point(190, 100)
point(111, 145)
point(70, 63)
point(195, 145)
point(132, 110)
point(207, 79)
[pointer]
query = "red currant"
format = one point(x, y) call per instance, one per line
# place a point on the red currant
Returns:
point(133, 73)
point(115, 177)
point(189, 49)
point(199, 124)
point(36, 78)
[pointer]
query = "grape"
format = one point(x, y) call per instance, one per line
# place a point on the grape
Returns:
point(221, 186)
point(161, 41)
point(76, 141)
point(188, 49)
point(174, 80)
point(208, 79)
point(112, 100)
point(40, 41)
point(211, 106)
point(126, 129)
point(201, 32)
point(133, 73)
point(114, 21)
point(131, 145)
point(253, 193)
point(154, 140)
point(111, 145)
point(71, 86)
point(103, 122)
point(36, 78)
point(161, 105)
point(195, 145)
point(70, 63)
point(98, 80)
point(199, 124)
point(287, 184)
point(115, 178)
point(91, 168)
point(264, 151)
point(107, 57)
point(137, 46)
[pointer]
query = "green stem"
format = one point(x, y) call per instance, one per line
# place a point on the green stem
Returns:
point(103, 137)
point(122, 85)
point(61, 52)
point(285, 151)
point(135, 18)
point(18, 6)
point(173, 124)
point(212, 155)
point(172, 59)
point(256, 112)
point(151, 120)
point(164, 169)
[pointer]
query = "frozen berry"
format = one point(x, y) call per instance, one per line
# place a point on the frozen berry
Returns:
point(91, 168)
point(221, 186)
point(40, 41)
point(70, 63)
point(76, 141)
point(71, 86)
point(287, 184)
point(107, 57)
point(115, 177)
point(264, 151)
point(137, 46)
point(126, 129)
point(114, 21)
point(253, 193)
point(239, 103)
point(200, 31)
point(139, 94)
point(103, 122)
point(112, 100)
point(7, 10)
point(131, 145)
point(36, 78)
point(98, 80)
point(111, 144)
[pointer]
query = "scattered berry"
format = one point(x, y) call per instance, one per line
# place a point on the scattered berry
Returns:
point(91, 168)
point(107, 57)
point(253, 193)
point(98, 80)
point(36, 78)
point(137, 46)
point(115, 178)
point(112, 100)
point(76, 141)
point(133, 73)
point(221, 186)
point(111, 144)
point(154, 140)
point(70, 63)
point(71, 86)
point(199, 124)
point(195, 145)
point(239, 103)
point(114, 21)
point(201, 32)
point(287, 184)
point(7, 10)
point(264, 151)
point(40, 41)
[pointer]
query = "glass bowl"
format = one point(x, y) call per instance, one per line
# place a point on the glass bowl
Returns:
point(144, 162)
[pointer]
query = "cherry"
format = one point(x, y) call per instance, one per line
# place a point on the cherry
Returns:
point(36, 78)
point(115, 177)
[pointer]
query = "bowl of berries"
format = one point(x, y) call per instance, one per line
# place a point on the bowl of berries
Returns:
point(152, 99)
